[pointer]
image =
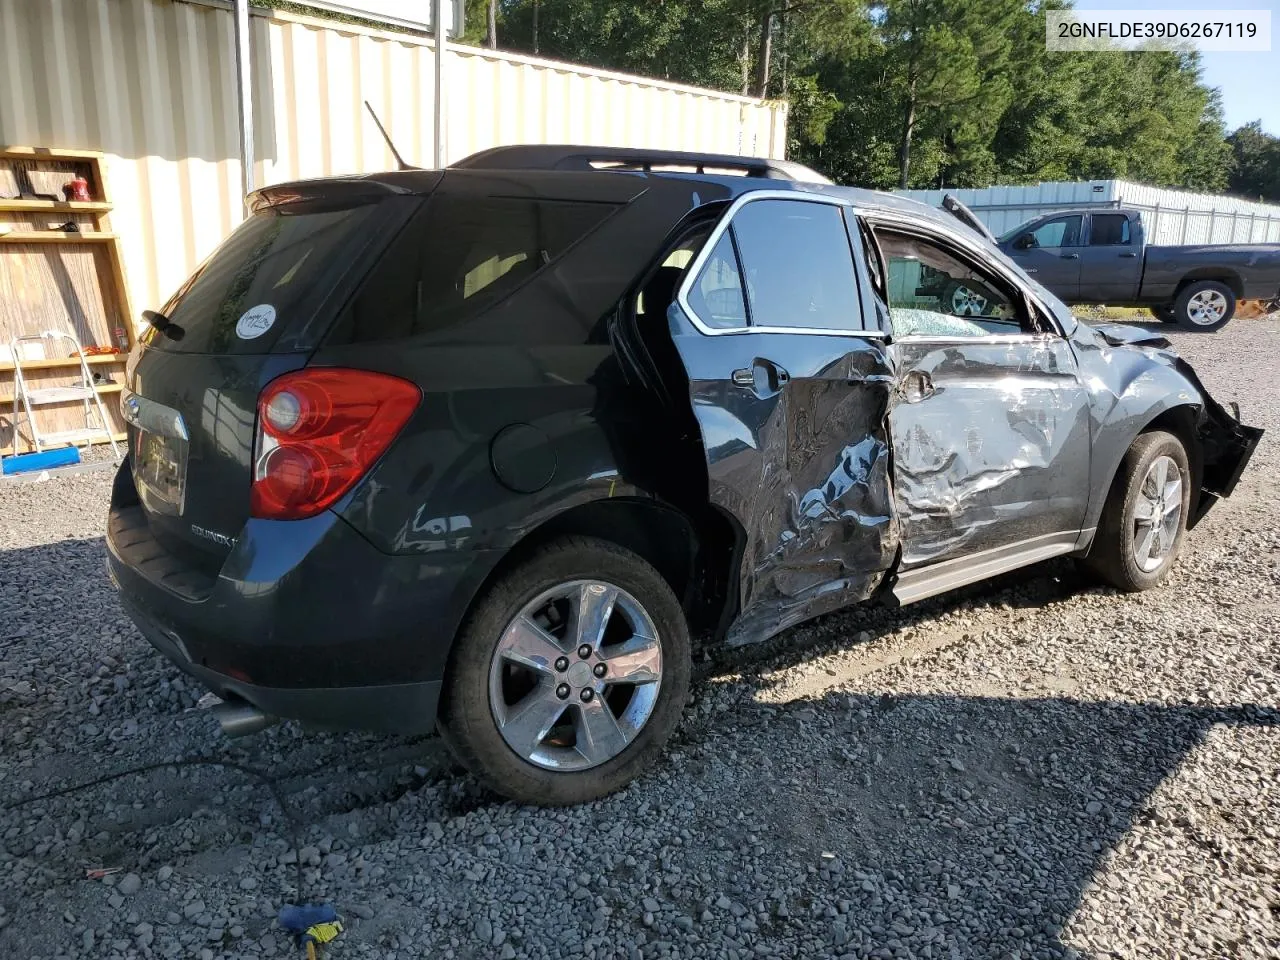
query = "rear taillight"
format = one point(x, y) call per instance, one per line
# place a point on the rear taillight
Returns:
point(319, 431)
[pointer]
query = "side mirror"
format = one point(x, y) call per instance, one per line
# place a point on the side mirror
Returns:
point(1025, 242)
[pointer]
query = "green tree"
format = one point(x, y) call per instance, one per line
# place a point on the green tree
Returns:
point(475, 27)
point(726, 44)
point(1256, 168)
point(1152, 120)
point(928, 88)
point(680, 40)
point(806, 30)
point(912, 92)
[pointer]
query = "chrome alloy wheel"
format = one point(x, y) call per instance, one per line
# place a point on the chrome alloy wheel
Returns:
point(575, 675)
point(1157, 513)
point(1207, 307)
point(966, 303)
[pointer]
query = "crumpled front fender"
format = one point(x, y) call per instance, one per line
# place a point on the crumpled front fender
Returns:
point(1134, 378)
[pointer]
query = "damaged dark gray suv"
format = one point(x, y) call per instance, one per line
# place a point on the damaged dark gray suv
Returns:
point(481, 449)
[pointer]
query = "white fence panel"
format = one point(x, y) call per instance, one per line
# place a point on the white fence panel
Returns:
point(1170, 216)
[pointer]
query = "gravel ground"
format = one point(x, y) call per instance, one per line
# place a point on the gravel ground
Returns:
point(1031, 768)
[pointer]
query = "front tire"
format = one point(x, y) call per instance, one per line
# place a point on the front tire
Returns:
point(1204, 306)
point(1144, 520)
point(569, 676)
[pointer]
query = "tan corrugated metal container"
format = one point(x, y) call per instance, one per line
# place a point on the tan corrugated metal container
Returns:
point(151, 84)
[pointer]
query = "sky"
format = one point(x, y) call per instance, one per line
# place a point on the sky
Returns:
point(1250, 82)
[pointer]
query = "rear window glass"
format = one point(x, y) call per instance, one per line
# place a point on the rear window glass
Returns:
point(459, 255)
point(276, 268)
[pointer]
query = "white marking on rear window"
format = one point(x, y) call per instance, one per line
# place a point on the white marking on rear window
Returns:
point(255, 321)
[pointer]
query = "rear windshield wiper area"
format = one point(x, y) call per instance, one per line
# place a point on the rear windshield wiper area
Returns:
point(163, 324)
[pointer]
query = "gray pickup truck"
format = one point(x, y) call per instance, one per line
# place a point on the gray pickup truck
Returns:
point(1101, 256)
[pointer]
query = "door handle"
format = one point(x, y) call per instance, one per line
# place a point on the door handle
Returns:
point(1071, 256)
point(1128, 256)
point(763, 376)
point(916, 386)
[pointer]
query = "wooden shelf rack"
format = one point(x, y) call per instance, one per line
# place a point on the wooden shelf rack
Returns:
point(55, 278)
point(29, 206)
point(56, 236)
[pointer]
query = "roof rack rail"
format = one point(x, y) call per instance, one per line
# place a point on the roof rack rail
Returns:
point(631, 160)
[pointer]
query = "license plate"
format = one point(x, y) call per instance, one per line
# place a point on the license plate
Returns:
point(160, 471)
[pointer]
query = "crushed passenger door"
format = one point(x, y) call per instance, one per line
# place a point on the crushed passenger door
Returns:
point(791, 396)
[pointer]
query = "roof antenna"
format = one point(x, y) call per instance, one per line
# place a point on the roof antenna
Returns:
point(391, 146)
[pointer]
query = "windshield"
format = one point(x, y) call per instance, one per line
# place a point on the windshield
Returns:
point(1020, 228)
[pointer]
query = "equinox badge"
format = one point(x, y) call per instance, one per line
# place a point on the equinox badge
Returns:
point(219, 538)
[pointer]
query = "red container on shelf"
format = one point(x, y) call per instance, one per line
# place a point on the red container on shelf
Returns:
point(77, 189)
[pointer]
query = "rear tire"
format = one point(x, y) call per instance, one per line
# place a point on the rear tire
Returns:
point(1204, 306)
point(1144, 520)
point(534, 716)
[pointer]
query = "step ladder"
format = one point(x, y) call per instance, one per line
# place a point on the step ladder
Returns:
point(96, 425)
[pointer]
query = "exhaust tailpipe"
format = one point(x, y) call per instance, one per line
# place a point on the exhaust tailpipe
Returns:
point(239, 719)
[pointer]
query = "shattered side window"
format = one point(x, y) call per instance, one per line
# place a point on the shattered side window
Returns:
point(1109, 230)
point(933, 293)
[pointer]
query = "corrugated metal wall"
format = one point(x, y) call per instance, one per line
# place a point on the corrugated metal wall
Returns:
point(151, 84)
point(1170, 216)
point(1003, 208)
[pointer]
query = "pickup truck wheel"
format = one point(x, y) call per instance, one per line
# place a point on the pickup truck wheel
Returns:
point(1164, 314)
point(962, 301)
point(569, 676)
point(1205, 305)
point(1145, 517)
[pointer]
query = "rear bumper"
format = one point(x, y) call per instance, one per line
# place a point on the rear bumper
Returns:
point(306, 620)
point(390, 708)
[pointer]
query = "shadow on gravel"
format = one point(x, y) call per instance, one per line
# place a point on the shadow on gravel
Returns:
point(982, 819)
point(959, 826)
point(1028, 588)
point(948, 826)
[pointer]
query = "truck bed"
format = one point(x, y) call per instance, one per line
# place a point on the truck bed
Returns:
point(1256, 267)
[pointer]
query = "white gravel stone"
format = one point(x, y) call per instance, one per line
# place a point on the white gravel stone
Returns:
point(1036, 768)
